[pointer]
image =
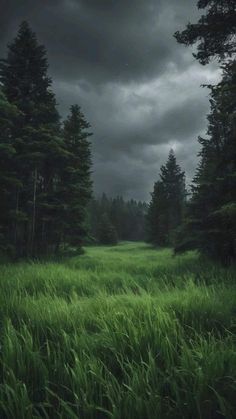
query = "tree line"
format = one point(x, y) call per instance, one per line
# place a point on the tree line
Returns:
point(45, 164)
point(208, 222)
point(113, 219)
point(45, 172)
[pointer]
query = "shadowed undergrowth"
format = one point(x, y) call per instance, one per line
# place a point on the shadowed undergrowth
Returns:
point(120, 332)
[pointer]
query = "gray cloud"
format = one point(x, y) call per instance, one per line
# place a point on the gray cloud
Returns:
point(139, 89)
point(104, 39)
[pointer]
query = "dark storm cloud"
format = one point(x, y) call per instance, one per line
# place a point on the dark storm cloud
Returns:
point(103, 39)
point(139, 89)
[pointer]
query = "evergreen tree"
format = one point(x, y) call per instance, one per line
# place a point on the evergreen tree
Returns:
point(39, 148)
point(214, 32)
point(166, 209)
point(157, 228)
point(118, 216)
point(76, 177)
point(210, 223)
point(8, 178)
point(127, 217)
point(136, 220)
point(106, 231)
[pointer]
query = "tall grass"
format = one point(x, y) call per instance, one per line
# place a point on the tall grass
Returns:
point(121, 332)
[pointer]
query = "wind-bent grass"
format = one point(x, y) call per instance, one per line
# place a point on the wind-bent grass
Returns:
point(121, 332)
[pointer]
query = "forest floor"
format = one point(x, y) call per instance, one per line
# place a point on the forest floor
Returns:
point(120, 332)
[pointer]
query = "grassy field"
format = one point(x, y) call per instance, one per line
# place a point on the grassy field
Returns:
point(121, 332)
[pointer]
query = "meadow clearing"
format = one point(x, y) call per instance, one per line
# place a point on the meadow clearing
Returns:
point(120, 332)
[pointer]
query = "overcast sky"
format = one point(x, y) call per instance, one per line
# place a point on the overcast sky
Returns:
point(138, 88)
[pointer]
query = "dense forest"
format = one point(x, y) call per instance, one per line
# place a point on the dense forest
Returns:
point(45, 174)
point(45, 164)
point(114, 219)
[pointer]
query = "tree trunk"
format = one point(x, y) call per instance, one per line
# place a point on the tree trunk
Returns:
point(34, 212)
point(16, 221)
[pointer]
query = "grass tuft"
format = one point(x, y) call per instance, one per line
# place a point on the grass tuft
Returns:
point(118, 332)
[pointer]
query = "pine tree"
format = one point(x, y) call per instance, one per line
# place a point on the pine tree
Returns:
point(214, 32)
point(8, 178)
point(23, 75)
point(127, 217)
point(106, 231)
point(76, 176)
point(166, 209)
point(118, 216)
point(210, 223)
point(157, 228)
point(136, 220)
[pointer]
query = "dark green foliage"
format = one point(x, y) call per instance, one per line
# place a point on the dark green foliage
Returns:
point(214, 32)
point(106, 231)
point(128, 217)
point(156, 217)
point(211, 223)
point(40, 213)
point(36, 140)
point(76, 181)
point(166, 209)
point(8, 178)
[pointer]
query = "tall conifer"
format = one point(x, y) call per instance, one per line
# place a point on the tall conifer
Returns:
point(24, 79)
point(210, 225)
point(76, 175)
point(166, 209)
point(8, 177)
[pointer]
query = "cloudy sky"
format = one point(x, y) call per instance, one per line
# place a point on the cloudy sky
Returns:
point(138, 88)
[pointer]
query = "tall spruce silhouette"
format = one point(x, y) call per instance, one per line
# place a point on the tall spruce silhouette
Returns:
point(166, 209)
point(210, 225)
